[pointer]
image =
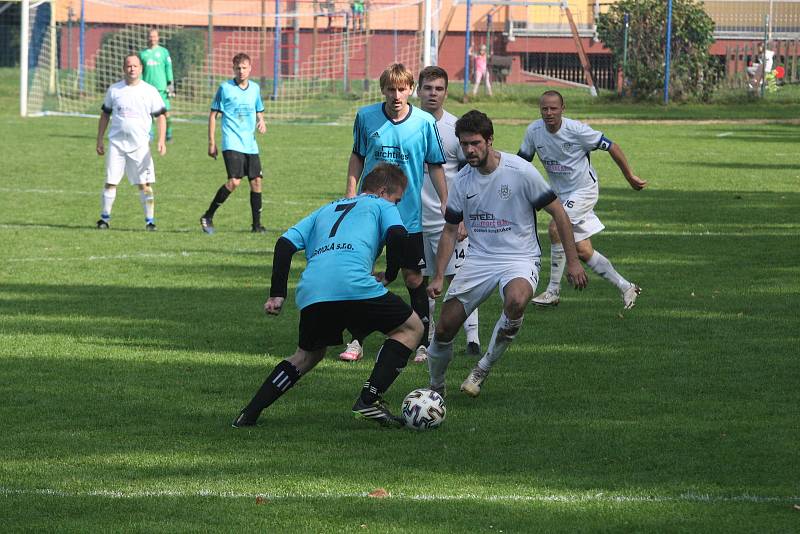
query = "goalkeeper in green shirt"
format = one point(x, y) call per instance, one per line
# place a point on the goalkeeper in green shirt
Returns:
point(158, 72)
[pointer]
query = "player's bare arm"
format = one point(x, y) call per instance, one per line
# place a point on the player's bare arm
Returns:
point(447, 243)
point(575, 273)
point(212, 128)
point(354, 169)
point(102, 125)
point(261, 126)
point(439, 182)
point(161, 126)
point(619, 158)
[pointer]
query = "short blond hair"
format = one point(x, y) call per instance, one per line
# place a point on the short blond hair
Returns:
point(396, 74)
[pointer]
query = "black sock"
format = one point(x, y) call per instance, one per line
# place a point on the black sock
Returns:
point(222, 195)
point(284, 376)
point(391, 360)
point(255, 207)
point(419, 303)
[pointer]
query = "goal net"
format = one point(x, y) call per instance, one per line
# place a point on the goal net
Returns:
point(315, 60)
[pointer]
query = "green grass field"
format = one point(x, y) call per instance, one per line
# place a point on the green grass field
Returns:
point(124, 355)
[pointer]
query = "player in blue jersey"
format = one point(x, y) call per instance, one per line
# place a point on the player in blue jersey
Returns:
point(397, 133)
point(239, 102)
point(342, 240)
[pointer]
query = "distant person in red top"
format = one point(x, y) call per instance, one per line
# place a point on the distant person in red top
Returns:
point(481, 71)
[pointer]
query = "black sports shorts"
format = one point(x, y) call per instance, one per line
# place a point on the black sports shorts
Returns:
point(239, 164)
point(414, 256)
point(322, 323)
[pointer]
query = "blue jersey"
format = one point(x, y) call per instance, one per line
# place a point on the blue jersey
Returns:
point(408, 144)
point(238, 107)
point(342, 241)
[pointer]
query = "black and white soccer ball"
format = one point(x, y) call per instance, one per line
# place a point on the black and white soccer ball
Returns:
point(423, 409)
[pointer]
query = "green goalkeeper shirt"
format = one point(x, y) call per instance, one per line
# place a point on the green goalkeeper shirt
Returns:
point(157, 67)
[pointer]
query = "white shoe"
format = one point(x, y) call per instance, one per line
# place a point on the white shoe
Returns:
point(472, 385)
point(629, 296)
point(548, 298)
point(422, 354)
point(353, 352)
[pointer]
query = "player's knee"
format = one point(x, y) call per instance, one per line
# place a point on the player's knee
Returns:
point(147, 189)
point(585, 250)
point(232, 184)
point(445, 331)
point(414, 325)
point(514, 308)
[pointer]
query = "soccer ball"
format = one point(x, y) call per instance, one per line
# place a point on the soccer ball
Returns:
point(423, 409)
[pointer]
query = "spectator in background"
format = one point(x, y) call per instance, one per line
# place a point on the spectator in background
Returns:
point(481, 70)
point(357, 7)
point(758, 70)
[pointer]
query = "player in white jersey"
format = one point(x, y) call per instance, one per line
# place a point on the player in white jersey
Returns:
point(130, 106)
point(432, 94)
point(496, 197)
point(563, 146)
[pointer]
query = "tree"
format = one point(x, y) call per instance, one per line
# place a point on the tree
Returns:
point(692, 68)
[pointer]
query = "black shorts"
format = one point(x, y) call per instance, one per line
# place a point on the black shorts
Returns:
point(239, 164)
point(322, 324)
point(414, 257)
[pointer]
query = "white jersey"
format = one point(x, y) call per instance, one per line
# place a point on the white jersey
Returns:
point(499, 209)
point(432, 220)
point(565, 154)
point(132, 108)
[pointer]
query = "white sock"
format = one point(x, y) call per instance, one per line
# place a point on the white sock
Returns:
point(558, 261)
point(148, 204)
point(107, 202)
point(504, 332)
point(432, 325)
point(600, 264)
point(471, 327)
point(439, 356)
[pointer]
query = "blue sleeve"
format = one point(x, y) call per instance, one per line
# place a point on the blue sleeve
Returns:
point(390, 216)
point(435, 154)
point(300, 232)
point(359, 141)
point(216, 104)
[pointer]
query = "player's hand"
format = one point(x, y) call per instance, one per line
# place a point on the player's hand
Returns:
point(435, 287)
point(212, 150)
point(261, 126)
point(462, 232)
point(637, 183)
point(273, 305)
point(101, 149)
point(576, 275)
point(162, 148)
point(381, 277)
point(171, 90)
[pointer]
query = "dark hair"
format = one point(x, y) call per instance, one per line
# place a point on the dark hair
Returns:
point(432, 73)
point(240, 57)
point(385, 175)
point(125, 59)
point(474, 121)
point(553, 93)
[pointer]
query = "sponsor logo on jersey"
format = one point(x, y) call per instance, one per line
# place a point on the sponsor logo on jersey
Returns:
point(555, 167)
point(485, 222)
point(391, 154)
point(375, 134)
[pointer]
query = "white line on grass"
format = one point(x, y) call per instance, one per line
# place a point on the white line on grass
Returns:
point(184, 197)
point(688, 497)
point(182, 253)
point(725, 134)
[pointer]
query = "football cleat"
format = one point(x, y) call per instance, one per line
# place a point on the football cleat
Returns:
point(441, 389)
point(102, 224)
point(473, 349)
point(353, 352)
point(207, 224)
point(242, 420)
point(629, 296)
point(150, 227)
point(258, 229)
point(376, 411)
point(547, 298)
point(472, 385)
point(421, 355)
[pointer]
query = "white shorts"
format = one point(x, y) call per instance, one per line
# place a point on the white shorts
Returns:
point(579, 206)
point(430, 243)
point(478, 277)
point(137, 165)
